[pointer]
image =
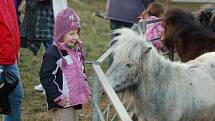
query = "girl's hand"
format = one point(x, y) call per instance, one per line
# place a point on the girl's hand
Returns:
point(62, 103)
point(61, 100)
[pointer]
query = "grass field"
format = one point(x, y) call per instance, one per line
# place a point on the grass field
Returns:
point(94, 33)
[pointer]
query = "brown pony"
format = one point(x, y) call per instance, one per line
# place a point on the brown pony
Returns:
point(184, 34)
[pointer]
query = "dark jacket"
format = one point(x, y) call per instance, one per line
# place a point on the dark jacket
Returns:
point(125, 10)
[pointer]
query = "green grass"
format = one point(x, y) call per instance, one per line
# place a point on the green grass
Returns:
point(94, 33)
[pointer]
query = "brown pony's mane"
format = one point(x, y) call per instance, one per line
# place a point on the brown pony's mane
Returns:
point(186, 35)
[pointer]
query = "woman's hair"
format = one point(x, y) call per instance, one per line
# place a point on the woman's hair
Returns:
point(155, 9)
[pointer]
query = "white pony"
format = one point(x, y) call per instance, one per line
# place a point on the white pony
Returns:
point(162, 90)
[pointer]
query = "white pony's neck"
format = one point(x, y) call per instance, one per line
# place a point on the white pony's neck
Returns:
point(156, 63)
point(157, 70)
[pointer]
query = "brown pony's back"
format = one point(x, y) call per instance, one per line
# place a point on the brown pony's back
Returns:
point(188, 37)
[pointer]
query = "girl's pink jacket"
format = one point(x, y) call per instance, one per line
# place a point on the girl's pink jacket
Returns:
point(154, 32)
point(75, 87)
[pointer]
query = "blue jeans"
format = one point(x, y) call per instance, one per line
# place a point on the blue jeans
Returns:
point(15, 96)
point(114, 24)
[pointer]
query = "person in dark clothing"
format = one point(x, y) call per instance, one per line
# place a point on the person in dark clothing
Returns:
point(123, 13)
point(38, 25)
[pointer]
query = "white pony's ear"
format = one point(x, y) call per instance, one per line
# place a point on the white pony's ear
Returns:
point(146, 50)
point(122, 34)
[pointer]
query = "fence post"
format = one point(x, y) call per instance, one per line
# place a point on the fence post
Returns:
point(95, 97)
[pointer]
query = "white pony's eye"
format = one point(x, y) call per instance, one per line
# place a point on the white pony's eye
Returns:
point(129, 65)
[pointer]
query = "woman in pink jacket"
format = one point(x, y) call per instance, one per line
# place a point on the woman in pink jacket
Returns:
point(9, 51)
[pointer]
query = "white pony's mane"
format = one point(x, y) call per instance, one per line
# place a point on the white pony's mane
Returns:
point(128, 45)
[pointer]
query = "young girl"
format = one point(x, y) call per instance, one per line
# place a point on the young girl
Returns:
point(154, 31)
point(62, 71)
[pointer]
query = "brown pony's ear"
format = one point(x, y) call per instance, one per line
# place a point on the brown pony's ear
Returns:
point(173, 16)
point(170, 21)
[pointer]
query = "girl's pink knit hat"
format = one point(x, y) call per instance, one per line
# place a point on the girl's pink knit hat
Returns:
point(66, 20)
